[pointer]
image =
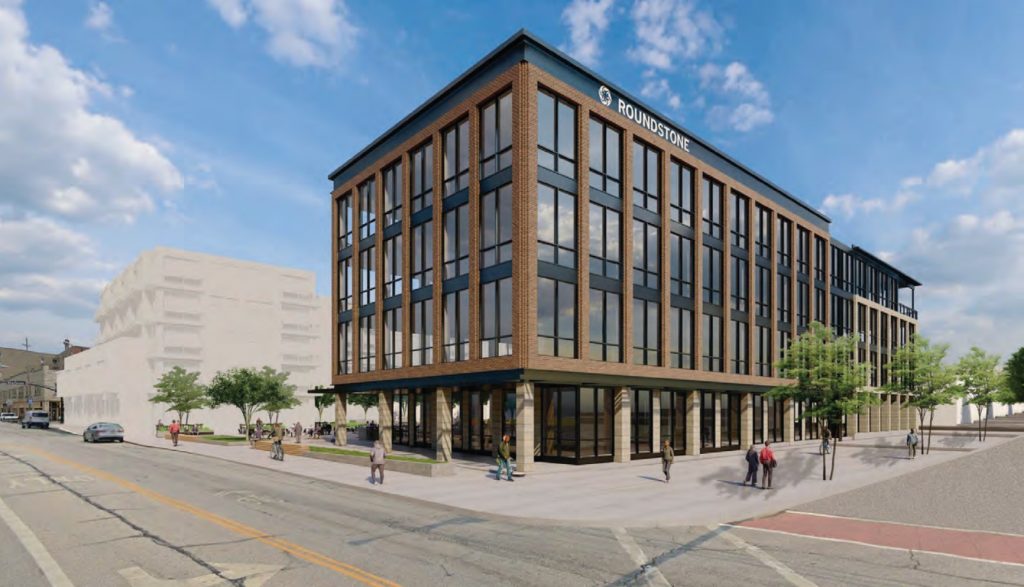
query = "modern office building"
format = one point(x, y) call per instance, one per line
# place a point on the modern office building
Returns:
point(535, 252)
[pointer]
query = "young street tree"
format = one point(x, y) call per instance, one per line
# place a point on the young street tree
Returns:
point(1014, 370)
point(827, 378)
point(280, 394)
point(322, 401)
point(917, 369)
point(181, 392)
point(243, 388)
point(980, 383)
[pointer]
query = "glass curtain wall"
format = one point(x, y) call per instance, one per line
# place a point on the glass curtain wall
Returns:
point(642, 417)
point(673, 420)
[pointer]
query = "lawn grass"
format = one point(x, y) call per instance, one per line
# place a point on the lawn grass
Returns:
point(225, 438)
point(359, 453)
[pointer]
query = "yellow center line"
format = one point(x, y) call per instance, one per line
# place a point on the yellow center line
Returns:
point(281, 544)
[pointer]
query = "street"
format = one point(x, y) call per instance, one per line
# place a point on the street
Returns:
point(119, 514)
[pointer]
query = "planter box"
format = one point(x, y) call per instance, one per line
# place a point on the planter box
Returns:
point(201, 440)
point(410, 467)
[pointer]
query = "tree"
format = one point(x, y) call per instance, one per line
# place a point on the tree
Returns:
point(363, 400)
point(980, 383)
point(1014, 370)
point(181, 392)
point(321, 401)
point(243, 388)
point(280, 394)
point(917, 369)
point(827, 377)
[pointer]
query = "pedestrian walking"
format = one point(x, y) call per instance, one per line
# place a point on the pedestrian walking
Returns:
point(667, 456)
point(377, 456)
point(826, 440)
point(277, 451)
point(767, 458)
point(175, 430)
point(912, 444)
point(298, 432)
point(258, 430)
point(503, 458)
point(752, 466)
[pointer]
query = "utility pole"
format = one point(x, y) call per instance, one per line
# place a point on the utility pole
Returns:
point(26, 345)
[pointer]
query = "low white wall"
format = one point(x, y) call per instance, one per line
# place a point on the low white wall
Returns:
point(962, 412)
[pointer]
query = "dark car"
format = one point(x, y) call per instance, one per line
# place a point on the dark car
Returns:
point(103, 431)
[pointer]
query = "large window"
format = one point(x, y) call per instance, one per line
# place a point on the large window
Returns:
point(712, 273)
point(646, 254)
point(422, 177)
point(785, 241)
point(819, 305)
point(738, 287)
point(345, 221)
point(393, 266)
point(421, 255)
point(367, 343)
point(739, 346)
point(681, 261)
point(345, 284)
point(757, 400)
point(763, 233)
point(646, 332)
point(641, 427)
point(646, 176)
point(367, 276)
point(422, 334)
point(763, 350)
point(803, 302)
point(680, 338)
point(393, 194)
point(785, 298)
point(393, 338)
point(739, 226)
point(556, 226)
point(729, 416)
point(596, 428)
point(764, 292)
point(556, 318)
point(803, 251)
point(673, 420)
point(496, 226)
point(711, 339)
point(556, 134)
point(368, 208)
point(495, 318)
point(707, 420)
point(604, 241)
point(496, 135)
point(456, 326)
point(711, 211)
point(605, 158)
point(605, 321)
point(456, 241)
point(819, 259)
point(344, 347)
point(680, 183)
point(775, 419)
point(455, 171)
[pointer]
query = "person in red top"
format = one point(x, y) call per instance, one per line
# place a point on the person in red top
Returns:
point(767, 458)
point(175, 429)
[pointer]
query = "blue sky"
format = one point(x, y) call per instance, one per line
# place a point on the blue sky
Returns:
point(212, 126)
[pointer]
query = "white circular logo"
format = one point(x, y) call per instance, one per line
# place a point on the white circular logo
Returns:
point(605, 95)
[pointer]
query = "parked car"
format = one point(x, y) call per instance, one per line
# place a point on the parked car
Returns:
point(8, 417)
point(101, 431)
point(36, 420)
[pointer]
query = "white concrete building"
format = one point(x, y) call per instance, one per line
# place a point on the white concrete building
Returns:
point(204, 313)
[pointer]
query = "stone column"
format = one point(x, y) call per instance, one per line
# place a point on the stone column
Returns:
point(908, 413)
point(384, 403)
point(885, 424)
point(864, 419)
point(524, 427)
point(693, 423)
point(896, 409)
point(876, 417)
point(788, 414)
point(340, 419)
point(852, 425)
point(656, 420)
point(495, 423)
point(746, 420)
point(443, 424)
point(622, 423)
point(718, 420)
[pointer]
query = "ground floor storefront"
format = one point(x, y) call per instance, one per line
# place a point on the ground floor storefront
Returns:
point(582, 424)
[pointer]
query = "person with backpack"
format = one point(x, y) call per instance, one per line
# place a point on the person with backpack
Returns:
point(912, 444)
point(767, 458)
point(667, 457)
point(752, 466)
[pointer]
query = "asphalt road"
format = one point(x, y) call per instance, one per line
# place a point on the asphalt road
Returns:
point(128, 515)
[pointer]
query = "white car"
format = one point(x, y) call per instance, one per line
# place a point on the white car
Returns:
point(36, 420)
point(8, 417)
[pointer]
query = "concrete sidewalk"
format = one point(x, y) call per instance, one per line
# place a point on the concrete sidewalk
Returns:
point(704, 490)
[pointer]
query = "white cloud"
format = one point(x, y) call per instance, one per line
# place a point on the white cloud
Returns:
point(587, 21)
point(60, 157)
point(100, 18)
point(658, 88)
point(304, 33)
point(35, 244)
point(748, 104)
point(672, 30)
